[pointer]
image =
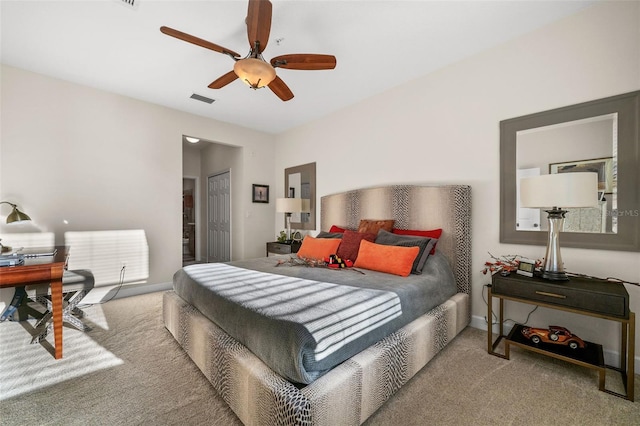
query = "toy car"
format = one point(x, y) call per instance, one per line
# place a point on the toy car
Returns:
point(555, 334)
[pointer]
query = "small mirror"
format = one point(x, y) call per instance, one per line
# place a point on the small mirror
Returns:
point(300, 182)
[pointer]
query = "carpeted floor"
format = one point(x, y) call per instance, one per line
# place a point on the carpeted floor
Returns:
point(129, 371)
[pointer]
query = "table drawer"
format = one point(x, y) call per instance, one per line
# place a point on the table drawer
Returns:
point(600, 298)
point(278, 248)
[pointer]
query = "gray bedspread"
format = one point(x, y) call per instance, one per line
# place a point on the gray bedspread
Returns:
point(302, 321)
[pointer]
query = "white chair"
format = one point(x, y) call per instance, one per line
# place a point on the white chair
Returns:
point(75, 286)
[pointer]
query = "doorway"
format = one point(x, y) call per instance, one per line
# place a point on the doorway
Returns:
point(189, 220)
point(200, 162)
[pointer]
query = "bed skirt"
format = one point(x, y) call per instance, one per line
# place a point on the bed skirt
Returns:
point(346, 395)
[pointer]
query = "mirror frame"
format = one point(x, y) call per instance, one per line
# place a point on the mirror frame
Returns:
point(304, 168)
point(628, 183)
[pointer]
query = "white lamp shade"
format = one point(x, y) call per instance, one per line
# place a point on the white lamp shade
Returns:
point(562, 190)
point(288, 205)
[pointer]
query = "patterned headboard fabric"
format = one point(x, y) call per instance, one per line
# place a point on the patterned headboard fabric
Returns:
point(413, 207)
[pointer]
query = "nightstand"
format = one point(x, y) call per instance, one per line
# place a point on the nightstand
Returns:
point(283, 248)
point(584, 296)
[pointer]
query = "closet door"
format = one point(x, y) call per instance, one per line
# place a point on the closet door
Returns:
point(219, 218)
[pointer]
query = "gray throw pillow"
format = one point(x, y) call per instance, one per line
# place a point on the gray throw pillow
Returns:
point(425, 244)
point(324, 234)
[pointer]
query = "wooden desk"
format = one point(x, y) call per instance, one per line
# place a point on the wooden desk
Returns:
point(42, 270)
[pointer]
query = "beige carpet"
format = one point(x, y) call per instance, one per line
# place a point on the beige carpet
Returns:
point(129, 371)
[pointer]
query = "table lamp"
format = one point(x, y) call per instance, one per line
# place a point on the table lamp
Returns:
point(288, 206)
point(555, 192)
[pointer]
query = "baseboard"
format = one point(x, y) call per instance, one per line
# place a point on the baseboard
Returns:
point(105, 293)
point(611, 358)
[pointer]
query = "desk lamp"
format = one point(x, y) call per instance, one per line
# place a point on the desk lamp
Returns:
point(288, 206)
point(16, 215)
point(558, 191)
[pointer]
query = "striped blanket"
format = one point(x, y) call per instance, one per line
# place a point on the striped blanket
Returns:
point(330, 315)
point(299, 326)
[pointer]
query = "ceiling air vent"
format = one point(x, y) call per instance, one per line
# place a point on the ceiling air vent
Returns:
point(131, 4)
point(202, 98)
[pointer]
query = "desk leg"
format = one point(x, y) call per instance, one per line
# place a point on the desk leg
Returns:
point(56, 308)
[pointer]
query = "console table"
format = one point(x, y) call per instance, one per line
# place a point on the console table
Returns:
point(42, 270)
point(596, 298)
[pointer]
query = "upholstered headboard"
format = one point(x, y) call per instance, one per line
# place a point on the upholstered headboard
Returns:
point(413, 207)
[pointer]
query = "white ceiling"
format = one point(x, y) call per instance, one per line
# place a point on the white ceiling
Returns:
point(378, 45)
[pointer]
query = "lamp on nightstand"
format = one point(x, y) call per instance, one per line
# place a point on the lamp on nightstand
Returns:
point(558, 191)
point(288, 206)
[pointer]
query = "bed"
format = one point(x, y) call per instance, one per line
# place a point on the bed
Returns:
point(352, 390)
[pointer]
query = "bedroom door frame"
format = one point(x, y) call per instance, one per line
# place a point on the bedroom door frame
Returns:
point(227, 212)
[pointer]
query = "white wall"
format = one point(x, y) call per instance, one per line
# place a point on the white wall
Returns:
point(444, 128)
point(190, 160)
point(102, 161)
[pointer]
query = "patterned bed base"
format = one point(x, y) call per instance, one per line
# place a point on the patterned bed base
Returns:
point(346, 395)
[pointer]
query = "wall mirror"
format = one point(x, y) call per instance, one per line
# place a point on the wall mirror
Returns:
point(300, 182)
point(600, 136)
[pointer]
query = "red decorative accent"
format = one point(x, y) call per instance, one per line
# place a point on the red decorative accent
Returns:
point(335, 228)
point(555, 335)
point(336, 262)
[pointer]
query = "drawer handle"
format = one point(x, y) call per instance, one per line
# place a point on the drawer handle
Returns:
point(544, 293)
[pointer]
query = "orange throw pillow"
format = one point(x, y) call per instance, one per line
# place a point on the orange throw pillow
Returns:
point(318, 248)
point(395, 260)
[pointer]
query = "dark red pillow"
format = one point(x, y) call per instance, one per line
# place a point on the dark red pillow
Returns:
point(350, 244)
point(432, 233)
point(335, 228)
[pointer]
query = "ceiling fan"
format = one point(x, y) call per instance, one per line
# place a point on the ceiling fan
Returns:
point(253, 69)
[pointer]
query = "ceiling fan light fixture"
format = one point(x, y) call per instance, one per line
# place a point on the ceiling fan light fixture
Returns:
point(254, 72)
point(253, 69)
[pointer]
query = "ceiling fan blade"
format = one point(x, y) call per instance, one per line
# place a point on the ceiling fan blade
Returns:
point(259, 23)
point(197, 41)
point(224, 80)
point(281, 90)
point(305, 61)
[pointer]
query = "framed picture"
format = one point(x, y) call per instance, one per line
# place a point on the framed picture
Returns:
point(260, 193)
point(602, 166)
